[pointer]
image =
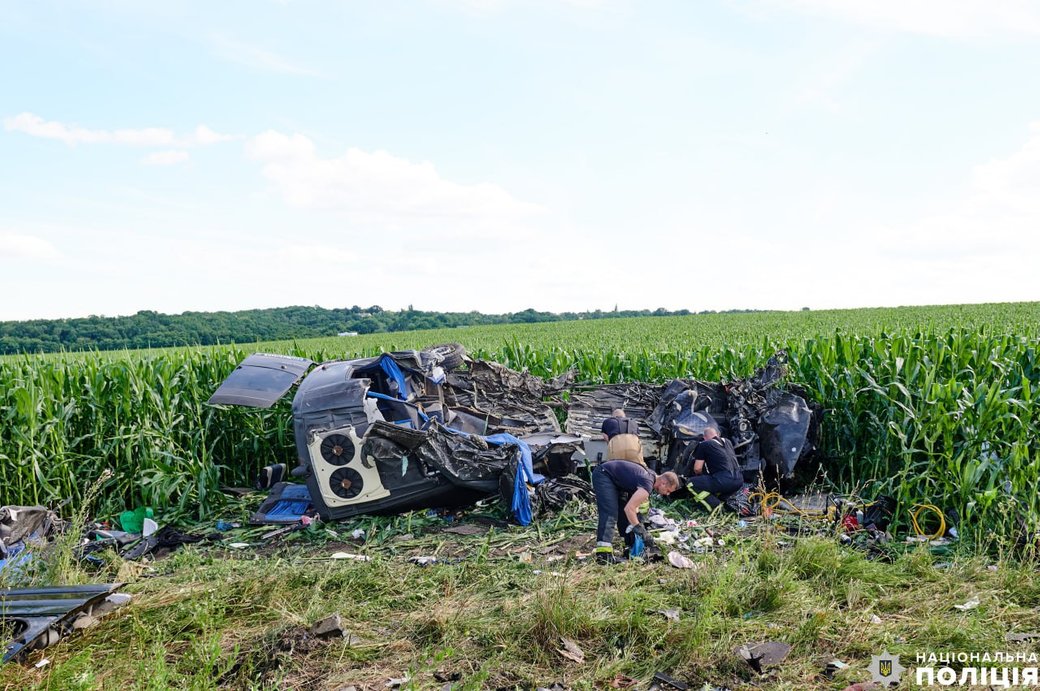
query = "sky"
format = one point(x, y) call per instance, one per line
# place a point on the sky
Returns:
point(499, 155)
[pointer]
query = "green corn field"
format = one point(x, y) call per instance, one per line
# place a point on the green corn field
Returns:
point(932, 405)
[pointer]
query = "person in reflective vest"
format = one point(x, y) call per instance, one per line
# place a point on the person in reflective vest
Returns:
point(622, 435)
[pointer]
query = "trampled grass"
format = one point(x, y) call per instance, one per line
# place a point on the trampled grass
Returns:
point(215, 618)
point(932, 405)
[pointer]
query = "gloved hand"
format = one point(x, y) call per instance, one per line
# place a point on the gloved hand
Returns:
point(640, 530)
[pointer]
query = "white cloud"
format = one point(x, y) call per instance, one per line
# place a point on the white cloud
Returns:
point(18, 246)
point(169, 157)
point(950, 18)
point(980, 244)
point(255, 57)
point(35, 126)
point(204, 136)
point(378, 187)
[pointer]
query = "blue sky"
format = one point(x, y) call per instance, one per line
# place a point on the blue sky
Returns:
point(504, 154)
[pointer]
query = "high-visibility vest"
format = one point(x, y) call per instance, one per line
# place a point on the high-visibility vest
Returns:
point(625, 447)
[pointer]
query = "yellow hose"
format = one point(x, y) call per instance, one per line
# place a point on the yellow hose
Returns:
point(916, 513)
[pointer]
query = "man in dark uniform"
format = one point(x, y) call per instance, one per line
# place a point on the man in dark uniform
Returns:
point(711, 466)
point(617, 424)
point(621, 487)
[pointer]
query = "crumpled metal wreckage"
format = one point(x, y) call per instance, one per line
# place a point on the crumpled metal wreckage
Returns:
point(437, 429)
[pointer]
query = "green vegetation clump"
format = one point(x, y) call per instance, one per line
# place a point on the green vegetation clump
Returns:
point(931, 405)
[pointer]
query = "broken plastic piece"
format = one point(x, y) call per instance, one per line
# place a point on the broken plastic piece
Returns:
point(347, 555)
point(571, 651)
point(329, 627)
point(762, 655)
point(423, 561)
point(42, 613)
point(660, 678)
point(670, 614)
point(679, 561)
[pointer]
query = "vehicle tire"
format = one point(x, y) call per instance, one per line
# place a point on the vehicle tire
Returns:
point(448, 355)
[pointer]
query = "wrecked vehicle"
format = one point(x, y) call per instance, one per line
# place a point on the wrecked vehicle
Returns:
point(772, 427)
point(434, 428)
point(402, 430)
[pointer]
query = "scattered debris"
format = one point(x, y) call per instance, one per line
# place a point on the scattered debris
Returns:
point(159, 543)
point(571, 651)
point(423, 561)
point(238, 545)
point(329, 627)
point(446, 677)
point(762, 655)
point(1021, 637)
point(663, 681)
point(833, 667)
point(875, 619)
point(467, 529)
point(43, 615)
point(347, 555)
point(42, 663)
point(621, 681)
point(970, 604)
point(398, 682)
point(670, 614)
point(680, 561)
point(358, 534)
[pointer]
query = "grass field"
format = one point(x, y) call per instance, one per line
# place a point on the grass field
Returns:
point(492, 614)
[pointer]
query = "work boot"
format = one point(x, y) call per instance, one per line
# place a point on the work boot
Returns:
point(605, 555)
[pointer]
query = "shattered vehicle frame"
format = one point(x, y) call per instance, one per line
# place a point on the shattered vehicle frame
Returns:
point(434, 428)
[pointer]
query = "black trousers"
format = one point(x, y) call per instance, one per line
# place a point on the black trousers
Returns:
point(610, 505)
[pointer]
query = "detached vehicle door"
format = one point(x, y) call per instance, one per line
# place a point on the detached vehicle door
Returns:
point(260, 380)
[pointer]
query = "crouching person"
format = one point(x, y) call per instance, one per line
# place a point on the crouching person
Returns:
point(621, 488)
point(711, 466)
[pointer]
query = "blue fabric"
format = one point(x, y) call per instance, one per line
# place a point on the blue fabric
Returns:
point(17, 559)
point(387, 364)
point(295, 501)
point(524, 474)
point(636, 550)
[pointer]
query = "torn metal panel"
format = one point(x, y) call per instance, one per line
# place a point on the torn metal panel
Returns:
point(260, 380)
point(514, 399)
point(42, 615)
point(589, 408)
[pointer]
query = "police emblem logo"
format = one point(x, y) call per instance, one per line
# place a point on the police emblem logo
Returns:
point(885, 669)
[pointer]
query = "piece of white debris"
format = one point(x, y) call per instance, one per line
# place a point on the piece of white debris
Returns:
point(423, 561)
point(42, 663)
point(679, 561)
point(970, 604)
point(347, 555)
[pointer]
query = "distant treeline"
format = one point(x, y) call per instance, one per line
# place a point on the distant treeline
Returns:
point(149, 329)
